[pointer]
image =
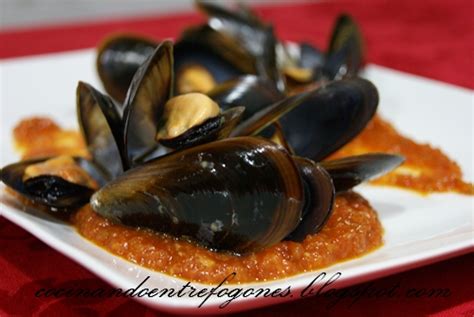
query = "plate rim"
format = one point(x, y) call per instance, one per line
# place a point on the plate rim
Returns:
point(458, 247)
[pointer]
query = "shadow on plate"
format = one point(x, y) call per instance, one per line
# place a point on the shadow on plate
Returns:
point(387, 210)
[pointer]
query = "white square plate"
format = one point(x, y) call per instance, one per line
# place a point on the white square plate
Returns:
point(419, 229)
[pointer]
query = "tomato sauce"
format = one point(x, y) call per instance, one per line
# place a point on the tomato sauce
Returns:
point(426, 169)
point(352, 230)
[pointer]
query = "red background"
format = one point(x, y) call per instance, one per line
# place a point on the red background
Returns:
point(428, 38)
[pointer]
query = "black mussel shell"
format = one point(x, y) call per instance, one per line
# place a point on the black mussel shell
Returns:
point(266, 61)
point(319, 197)
point(118, 58)
point(250, 91)
point(241, 15)
point(251, 34)
point(216, 52)
point(317, 123)
point(311, 57)
point(351, 171)
point(151, 87)
point(345, 54)
point(247, 13)
point(301, 63)
point(102, 129)
point(49, 190)
point(330, 117)
point(262, 119)
point(343, 59)
point(210, 130)
point(239, 195)
point(244, 32)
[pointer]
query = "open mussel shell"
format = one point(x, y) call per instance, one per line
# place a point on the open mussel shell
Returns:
point(317, 123)
point(210, 130)
point(242, 30)
point(303, 63)
point(50, 190)
point(250, 91)
point(319, 193)
point(151, 87)
point(239, 195)
point(102, 129)
point(300, 63)
point(345, 53)
point(219, 54)
point(118, 58)
point(351, 171)
point(244, 34)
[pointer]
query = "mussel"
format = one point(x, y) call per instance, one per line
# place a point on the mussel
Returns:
point(151, 87)
point(350, 171)
point(189, 126)
point(318, 122)
point(272, 59)
point(118, 58)
point(203, 60)
point(303, 63)
point(244, 30)
point(310, 57)
point(252, 92)
point(150, 109)
point(239, 195)
point(345, 53)
point(101, 126)
point(61, 183)
point(318, 185)
point(198, 66)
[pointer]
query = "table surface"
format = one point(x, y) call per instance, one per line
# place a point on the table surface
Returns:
point(428, 38)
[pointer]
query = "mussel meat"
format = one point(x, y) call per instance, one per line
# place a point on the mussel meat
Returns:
point(62, 183)
point(151, 108)
point(198, 66)
point(193, 119)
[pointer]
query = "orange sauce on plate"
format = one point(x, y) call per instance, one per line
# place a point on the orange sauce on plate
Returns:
point(426, 169)
point(352, 230)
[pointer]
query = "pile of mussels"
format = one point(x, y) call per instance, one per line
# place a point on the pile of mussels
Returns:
point(219, 137)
